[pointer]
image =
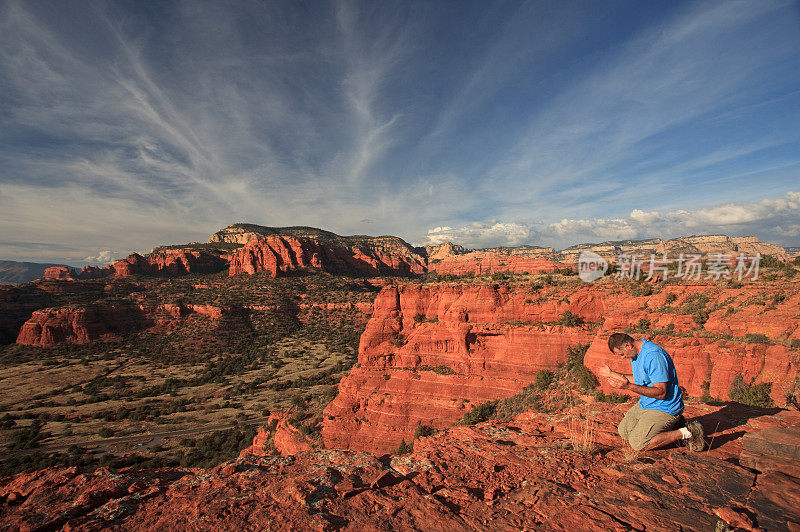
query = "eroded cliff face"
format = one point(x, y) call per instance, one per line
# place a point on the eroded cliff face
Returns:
point(482, 263)
point(49, 327)
point(702, 244)
point(279, 437)
point(101, 322)
point(431, 353)
point(169, 262)
point(278, 254)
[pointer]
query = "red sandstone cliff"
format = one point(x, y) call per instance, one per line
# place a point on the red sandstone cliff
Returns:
point(49, 327)
point(482, 263)
point(428, 350)
point(170, 262)
point(61, 273)
point(81, 325)
point(278, 254)
point(284, 438)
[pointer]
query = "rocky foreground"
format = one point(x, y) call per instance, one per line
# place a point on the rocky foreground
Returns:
point(567, 471)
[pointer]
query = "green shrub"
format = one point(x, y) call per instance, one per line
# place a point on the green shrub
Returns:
point(404, 448)
point(641, 289)
point(793, 394)
point(479, 413)
point(527, 399)
point(612, 397)
point(751, 394)
point(770, 261)
point(423, 431)
point(694, 303)
point(700, 317)
point(568, 319)
point(671, 298)
point(399, 341)
point(641, 327)
point(441, 370)
point(756, 338)
point(544, 378)
point(574, 365)
point(298, 401)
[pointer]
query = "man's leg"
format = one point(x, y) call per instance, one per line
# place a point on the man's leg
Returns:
point(663, 439)
point(629, 421)
point(652, 430)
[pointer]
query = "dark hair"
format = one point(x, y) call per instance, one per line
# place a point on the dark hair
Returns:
point(618, 340)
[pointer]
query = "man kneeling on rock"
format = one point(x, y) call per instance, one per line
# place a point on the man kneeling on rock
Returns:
point(655, 421)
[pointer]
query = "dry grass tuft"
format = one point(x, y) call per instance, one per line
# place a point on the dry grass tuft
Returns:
point(581, 431)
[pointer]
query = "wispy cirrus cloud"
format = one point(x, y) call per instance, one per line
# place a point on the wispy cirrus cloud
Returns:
point(126, 126)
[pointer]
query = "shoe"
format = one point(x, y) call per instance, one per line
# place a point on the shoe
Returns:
point(696, 443)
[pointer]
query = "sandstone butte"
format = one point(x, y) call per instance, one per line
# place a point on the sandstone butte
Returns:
point(49, 327)
point(285, 439)
point(519, 475)
point(278, 254)
point(81, 325)
point(699, 244)
point(431, 353)
point(481, 263)
point(168, 262)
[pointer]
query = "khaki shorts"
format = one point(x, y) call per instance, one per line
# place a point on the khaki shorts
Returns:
point(640, 425)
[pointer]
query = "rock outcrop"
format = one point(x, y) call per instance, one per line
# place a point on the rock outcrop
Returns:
point(49, 327)
point(281, 437)
point(521, 475)
point(705, 244)
point(170, 262)
point(430, 353)
point(277, 255)
point(773, 444)
point(443, 251)
point(103, 322)
point(60, 273)
point(16, 306)
point(483, 263)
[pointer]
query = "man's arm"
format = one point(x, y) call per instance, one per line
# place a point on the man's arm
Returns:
point(609, 373)
point(614, 378)
point(657, 391)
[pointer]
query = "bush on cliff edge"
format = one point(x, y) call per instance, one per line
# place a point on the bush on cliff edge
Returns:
point(751, 394)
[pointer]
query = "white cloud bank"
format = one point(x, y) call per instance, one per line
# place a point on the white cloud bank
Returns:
point(773, 220)
point(102, 257)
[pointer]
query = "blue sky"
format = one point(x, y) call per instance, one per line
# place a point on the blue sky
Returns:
point(125, 125)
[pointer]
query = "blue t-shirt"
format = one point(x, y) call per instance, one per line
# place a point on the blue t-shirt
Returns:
point(653, 364)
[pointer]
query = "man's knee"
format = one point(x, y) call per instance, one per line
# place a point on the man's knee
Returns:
point(639, 443)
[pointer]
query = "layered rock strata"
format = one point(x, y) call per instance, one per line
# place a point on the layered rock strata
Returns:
point(49, 327)
point(431, 353)
point(277, 255)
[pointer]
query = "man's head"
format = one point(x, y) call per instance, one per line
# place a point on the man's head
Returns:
point(623, 345)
